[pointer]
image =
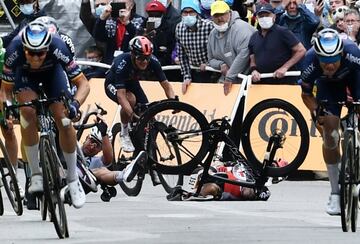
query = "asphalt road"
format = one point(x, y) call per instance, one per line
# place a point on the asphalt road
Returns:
point(294, 214)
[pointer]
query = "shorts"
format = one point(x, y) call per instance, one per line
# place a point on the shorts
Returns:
point(131, 86)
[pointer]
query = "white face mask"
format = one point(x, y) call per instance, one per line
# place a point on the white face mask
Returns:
point(27, 9)
point(156, 20)
point(266, 22)
point(221, 28)
point(349, 29)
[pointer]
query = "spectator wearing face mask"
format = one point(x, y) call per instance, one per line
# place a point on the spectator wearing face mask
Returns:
point(273, 49)
point(30, 10)
point(205, 8)
point(192, 35)
point(228, 44)
point(94, 54)
point(352, 22)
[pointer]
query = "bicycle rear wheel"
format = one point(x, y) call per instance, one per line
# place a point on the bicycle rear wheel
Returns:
point(345, 179)
point(275, 116)
point(121, 160)
point(52, 186)
point(186, 132)
point(159, 145)
point(355, 203)
point(1, 205)
point(9, 181)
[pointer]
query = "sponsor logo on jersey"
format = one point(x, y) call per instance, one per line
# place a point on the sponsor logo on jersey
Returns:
point(61, 56)
point(68, 42)
point(353, 59)
point(307, 72)
point(120, 66)
point(12, 57)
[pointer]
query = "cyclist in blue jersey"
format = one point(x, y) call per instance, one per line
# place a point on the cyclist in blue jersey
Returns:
point(37, 56)
point(122, 82)
point(334, 64)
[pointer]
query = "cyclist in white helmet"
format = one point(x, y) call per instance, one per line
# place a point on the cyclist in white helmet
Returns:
point(335, 66)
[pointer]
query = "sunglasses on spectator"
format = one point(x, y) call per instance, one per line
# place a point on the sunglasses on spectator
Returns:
point(38, 53)
point(142, 58)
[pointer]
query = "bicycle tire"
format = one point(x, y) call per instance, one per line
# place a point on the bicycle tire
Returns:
point(183, 119)
point(8, 177)
point(132, 188)
point(43, 207)
point(345, 175)
point(169, 182)
point(52, 185)
point(256, 132)
point(1, 205)
point(355, 203)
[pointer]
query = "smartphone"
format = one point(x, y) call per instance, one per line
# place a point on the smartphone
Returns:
point(116, 8)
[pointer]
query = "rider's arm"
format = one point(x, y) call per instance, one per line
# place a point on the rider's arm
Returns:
point(83, 88)
point(168, 89)
point(309, 101)
point(107, 151)
point(123, 101)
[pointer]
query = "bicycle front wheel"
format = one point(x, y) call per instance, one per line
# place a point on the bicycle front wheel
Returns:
point(52, 185)
point(185, 134)
point(9, 181)
point(275, 116)
point(345, 178)
point(1, 205)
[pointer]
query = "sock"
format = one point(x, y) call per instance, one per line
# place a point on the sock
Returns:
point(119, 176)
point(124, 129)
point(32, 154)
point(333, 172)
point(71, 173)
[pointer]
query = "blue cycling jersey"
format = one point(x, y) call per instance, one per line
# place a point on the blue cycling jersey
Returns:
point(58, 53)
point(348, 70)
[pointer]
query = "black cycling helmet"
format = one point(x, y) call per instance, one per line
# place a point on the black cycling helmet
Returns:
point(36, 37)
point(140, 45)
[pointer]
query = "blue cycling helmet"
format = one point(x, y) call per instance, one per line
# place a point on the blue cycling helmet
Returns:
point(36, 37)
point(328, 43)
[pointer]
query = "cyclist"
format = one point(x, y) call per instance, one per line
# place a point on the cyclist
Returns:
point(334, 64)
point(122, 82)
point(39, 56)
point(97, 141)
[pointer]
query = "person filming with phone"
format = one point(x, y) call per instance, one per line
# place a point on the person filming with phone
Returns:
point(117, 25)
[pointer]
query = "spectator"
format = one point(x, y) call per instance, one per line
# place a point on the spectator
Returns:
point(250, 18)
point(298, 19)
point(117, 31)
point(94, 54)
point(89, 20)
point(338, 17)
point(352, 22)
point(325, 14)
point(228, 43)
point(31, 10)
point(279, 8)
point(205, 8)
point(273, 49)
point(192, 34)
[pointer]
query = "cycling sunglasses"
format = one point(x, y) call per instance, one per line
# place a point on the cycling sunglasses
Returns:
point(329, 60)
point(142, 58)
point(38, 53)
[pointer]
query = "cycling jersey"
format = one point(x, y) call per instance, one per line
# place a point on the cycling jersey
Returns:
point(124, 75)
point(333, 89)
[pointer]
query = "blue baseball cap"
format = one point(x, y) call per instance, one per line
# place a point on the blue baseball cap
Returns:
point(194, 4)
point(264, 7)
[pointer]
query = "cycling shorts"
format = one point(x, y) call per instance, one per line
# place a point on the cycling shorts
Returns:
point(132, 86)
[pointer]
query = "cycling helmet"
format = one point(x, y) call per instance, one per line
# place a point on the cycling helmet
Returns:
point(36, 36)
point(140, 45)
point(96, 135)
point(50, 22)
point(339, 12)
point(328, 43)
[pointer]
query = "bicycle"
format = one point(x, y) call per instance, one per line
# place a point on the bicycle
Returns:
point(133, 188)
point(349, 177)
point(199, 143)
point(9, 182)
point(55, 186)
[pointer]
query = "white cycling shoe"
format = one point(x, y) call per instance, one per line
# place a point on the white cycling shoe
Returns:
point(36, 184)
point(77, 194)
point(135, 166)
point(126, 144)
point(333, 206)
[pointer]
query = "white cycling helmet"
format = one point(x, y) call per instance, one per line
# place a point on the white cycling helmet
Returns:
point(328, 43)
point(36, 37)
point(50, 22)
point(96, 135)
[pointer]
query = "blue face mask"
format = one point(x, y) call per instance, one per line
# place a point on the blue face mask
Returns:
point(189, 20)
point(99, 10)
point(206, 4)
point(27, 9)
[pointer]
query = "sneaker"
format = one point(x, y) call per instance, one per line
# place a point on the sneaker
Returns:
point(333, 206)
point(21, 190)
point(126, 143)
point(77, 194)
point(36, 184)
point(133, 168)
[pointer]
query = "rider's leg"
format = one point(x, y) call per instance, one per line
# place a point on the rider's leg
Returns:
point(125, 118)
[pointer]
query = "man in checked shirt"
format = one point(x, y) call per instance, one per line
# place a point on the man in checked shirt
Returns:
point(192, 36)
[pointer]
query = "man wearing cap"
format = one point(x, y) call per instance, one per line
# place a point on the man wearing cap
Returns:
point(273, 49)
point(228, 43)
point(192, 35)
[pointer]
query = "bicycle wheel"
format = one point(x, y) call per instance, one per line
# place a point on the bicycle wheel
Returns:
point(121, 160)
point(52, 185)
point(9, 181)
point(345, 180)
point(159, 145)
point(185, 132)
point(275, 116)
point(355, 203)
point(1, 205)
point(43, 207)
